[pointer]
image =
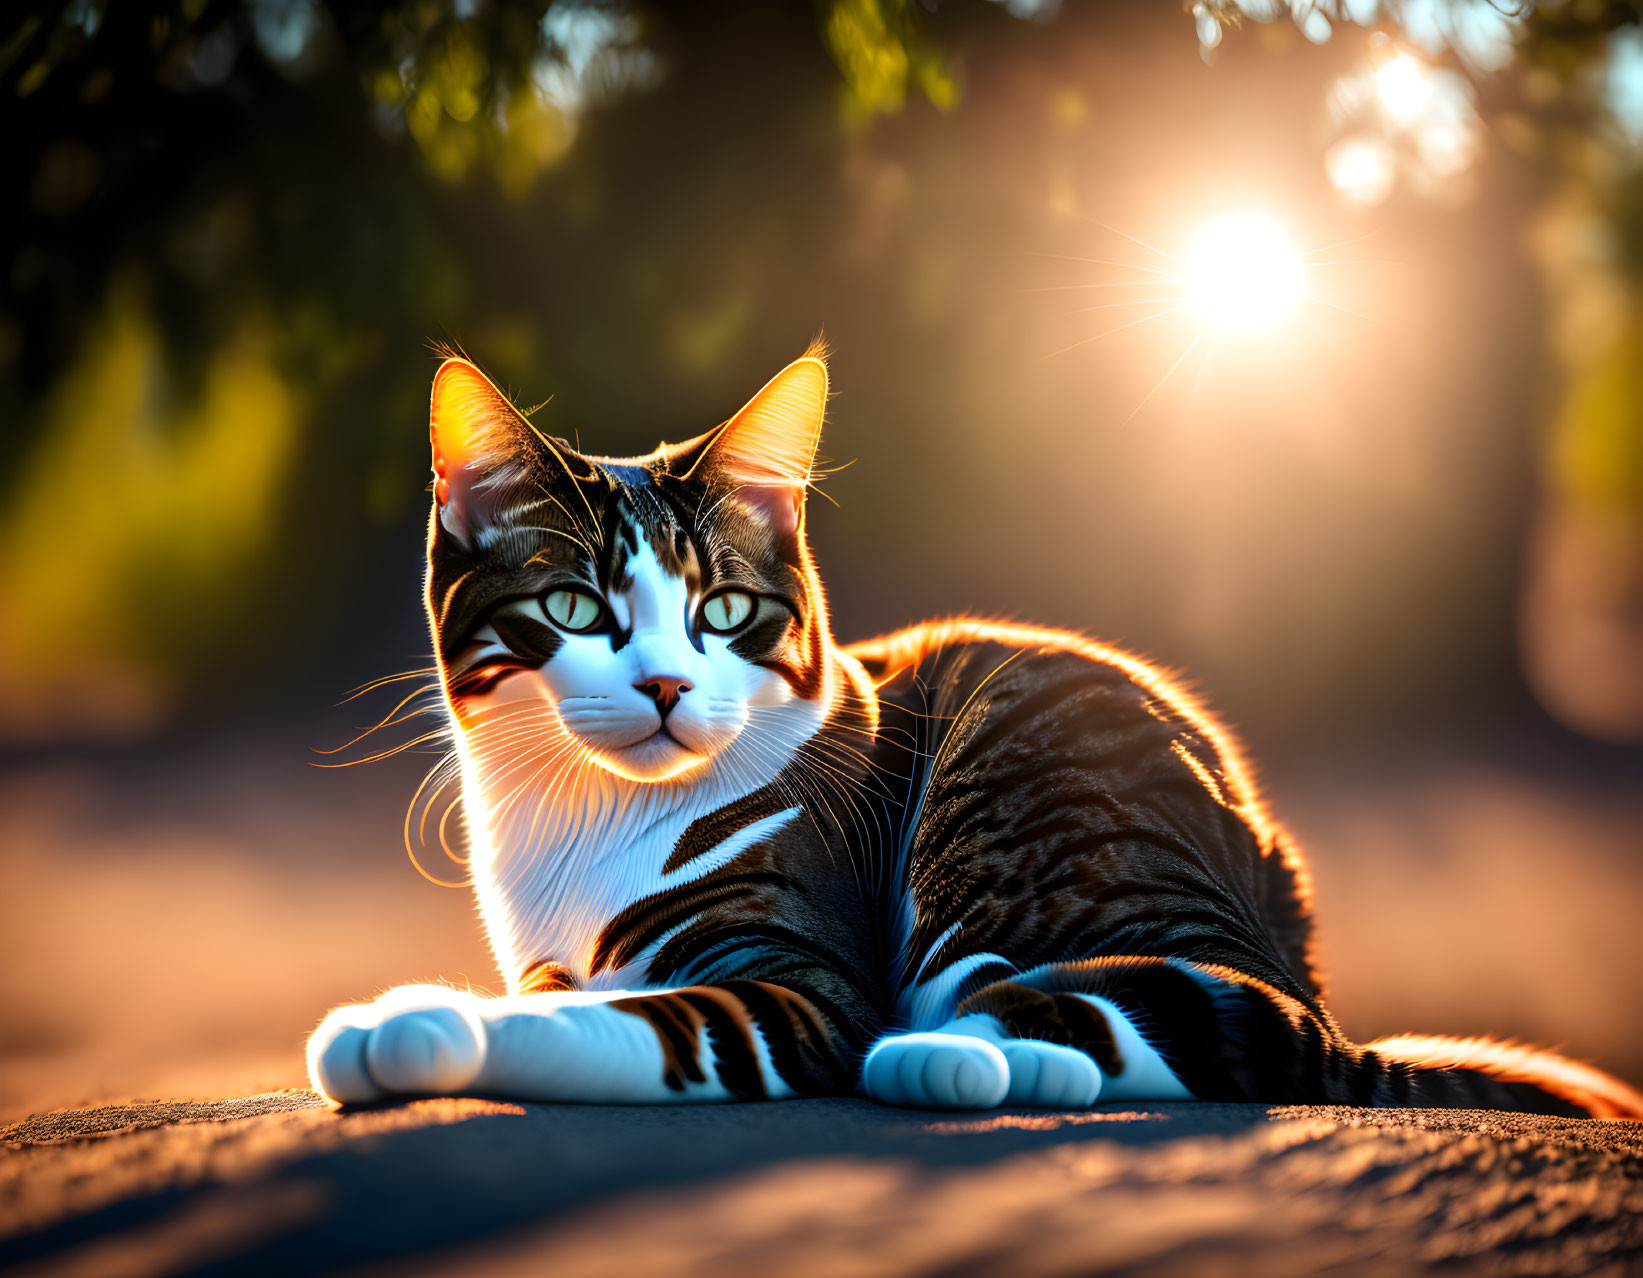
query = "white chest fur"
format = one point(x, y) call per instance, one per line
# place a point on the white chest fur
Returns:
point(550, 896)
point(559, 852)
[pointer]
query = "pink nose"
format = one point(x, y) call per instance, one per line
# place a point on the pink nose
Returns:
point(664, 690)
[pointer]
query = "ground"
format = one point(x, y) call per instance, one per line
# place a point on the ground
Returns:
point(174, 929)
point(280, 1183)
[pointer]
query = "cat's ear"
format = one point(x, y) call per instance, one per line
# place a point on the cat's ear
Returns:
point(479, 442)
point(768, 448)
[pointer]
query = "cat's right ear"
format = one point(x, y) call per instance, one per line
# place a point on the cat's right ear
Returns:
point(478, 441)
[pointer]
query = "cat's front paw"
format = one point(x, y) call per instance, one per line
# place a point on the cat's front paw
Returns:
point(936, 1071)
point(1049, 1076)
point(415, 1040)
point(975, 1067)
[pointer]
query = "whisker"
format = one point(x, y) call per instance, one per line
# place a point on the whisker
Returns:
point(424, 673)
point(387, 721)
point(435, 735)
point(445, 765)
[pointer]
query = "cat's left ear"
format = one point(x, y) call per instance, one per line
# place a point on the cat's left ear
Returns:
point(479, 440)
point(768, 448)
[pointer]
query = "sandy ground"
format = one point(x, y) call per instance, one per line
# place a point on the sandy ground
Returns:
point(813, 1188)
point(173, 930)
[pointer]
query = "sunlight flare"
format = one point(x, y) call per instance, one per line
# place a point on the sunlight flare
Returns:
point(1243, 272)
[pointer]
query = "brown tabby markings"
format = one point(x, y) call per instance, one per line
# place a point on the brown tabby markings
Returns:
point(1049, 1018)
point(706, 833)
point(730, 1015)
point(546, 977)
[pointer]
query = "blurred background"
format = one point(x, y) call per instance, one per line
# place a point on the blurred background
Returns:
point(1395, 537)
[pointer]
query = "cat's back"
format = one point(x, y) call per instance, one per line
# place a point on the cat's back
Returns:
point(1047, 762)
point(973, 682)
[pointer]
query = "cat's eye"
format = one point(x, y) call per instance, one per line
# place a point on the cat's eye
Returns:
point(727, 610)
point(572, 609)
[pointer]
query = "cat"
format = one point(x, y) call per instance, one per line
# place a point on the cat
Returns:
point(721, 857)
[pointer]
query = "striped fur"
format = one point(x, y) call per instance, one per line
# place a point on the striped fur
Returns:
point(965, 864)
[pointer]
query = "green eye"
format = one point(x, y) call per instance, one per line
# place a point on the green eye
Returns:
point(573, 610)
point(728, 610)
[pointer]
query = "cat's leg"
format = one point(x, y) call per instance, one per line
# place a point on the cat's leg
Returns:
point(1115, 1029)
point(742, 1040)
point(970, 1062)
point(701, 1043)
point(1169, 1029)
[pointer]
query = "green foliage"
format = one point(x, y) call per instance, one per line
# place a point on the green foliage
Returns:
point(881, 51)
point(135, 511)
point(1597, 446)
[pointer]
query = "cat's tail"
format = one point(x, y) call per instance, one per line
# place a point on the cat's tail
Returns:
point(1483, 1073)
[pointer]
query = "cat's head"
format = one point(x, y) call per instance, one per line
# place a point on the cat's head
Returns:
point(647, 614)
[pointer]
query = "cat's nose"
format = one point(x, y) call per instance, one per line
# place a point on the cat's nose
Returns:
point(664, 690)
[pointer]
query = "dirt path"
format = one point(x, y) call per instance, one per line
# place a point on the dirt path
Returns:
point(281, 1184)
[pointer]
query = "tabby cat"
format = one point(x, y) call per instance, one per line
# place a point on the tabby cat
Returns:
point(720, 857)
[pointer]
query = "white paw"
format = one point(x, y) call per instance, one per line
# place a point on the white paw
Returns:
point(435, 1049)
point(414, 1040)
point(336, 1056)
point(937, 1071)
point(1050, 1076)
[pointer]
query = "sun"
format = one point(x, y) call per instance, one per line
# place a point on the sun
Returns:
point(1243, 273)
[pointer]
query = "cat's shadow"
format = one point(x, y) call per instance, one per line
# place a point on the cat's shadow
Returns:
point(370, 1183)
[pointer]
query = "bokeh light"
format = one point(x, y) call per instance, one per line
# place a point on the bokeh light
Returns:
point(1362, 169)
point(1403, 119)
point(1404, 86)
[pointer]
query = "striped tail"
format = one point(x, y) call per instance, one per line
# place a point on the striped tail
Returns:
point(1482, 1073)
